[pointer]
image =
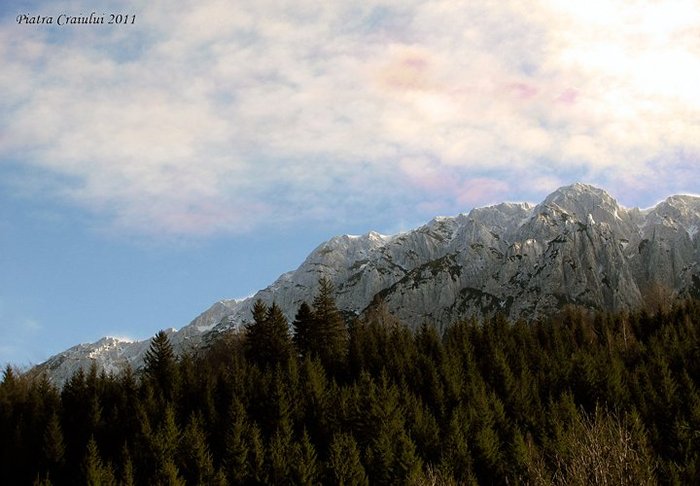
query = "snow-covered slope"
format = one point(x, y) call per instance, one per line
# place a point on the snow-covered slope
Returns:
point(113, 355)
point(578, 246)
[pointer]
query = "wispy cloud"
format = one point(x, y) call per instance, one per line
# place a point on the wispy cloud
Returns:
point(204, 117)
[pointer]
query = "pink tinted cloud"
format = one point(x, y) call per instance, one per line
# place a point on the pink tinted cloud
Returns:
point(432, 178)
point(481, 191)
point(568, 96)
point(442, 86)
point(523, 91)
point(427, 175)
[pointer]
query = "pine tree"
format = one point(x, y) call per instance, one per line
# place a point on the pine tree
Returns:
point(54, 447)
point(314, 401)
point(267, 337)
point(236, 453)
point(169, 474)
point(329, 336)
point(303, 329)
point(345, 467)
point(305, 462)
point(456, 457)
point(279, 453)
point(391, 454)
point(165, 445)
point(9, 384)
point(126, 473)
point(42, 481)
point(424, 429)
point(407, 465)
point(95, 472)
point(160, 365)
point(280, 344)
point(256, 454)
point(195, 458)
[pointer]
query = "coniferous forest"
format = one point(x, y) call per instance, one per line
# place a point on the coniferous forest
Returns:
point(579, 398)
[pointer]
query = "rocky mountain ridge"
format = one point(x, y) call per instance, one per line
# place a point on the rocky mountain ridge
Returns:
point(578, 246)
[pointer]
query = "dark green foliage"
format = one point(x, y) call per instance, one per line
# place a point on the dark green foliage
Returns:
point(54, 447)
point(95, 472)
point(159, 365)
point(126, 472)
point(279, 456)
point(576, 399)
point(235, 456)
point(256, 455)
point(194, 455)
point(321, 332)
point(305, 467)
point(267, 338)
point(304, 329)
point(344, 466)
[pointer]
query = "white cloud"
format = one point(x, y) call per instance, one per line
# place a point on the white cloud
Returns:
point(205, 117)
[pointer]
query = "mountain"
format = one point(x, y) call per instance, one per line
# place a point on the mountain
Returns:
point(578, 246)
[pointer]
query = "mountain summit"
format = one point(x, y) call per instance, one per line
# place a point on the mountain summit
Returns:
point(578, 246)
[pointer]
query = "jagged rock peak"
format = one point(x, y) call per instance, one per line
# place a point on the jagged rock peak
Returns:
point(578, 246)
point(582, 199)
point(682, 211)
point(684, 203)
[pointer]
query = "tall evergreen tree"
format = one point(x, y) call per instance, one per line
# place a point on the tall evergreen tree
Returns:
point(344, 465)
point(303, 329)
point(165, 444)
point(160, 365)
point(95, 471)
point(329, 336)
point(280, 456)
point(126, 471)
point(256, 455)
point(195, 458)
point(54, 447)
point(267, 337)
point(236, 453)
point(305, 462)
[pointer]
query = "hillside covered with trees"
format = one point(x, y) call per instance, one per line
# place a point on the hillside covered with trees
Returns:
point(578, 398)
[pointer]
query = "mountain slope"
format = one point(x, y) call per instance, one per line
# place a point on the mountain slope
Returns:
point(578, 246)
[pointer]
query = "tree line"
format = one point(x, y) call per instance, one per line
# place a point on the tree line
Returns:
point(577, 398)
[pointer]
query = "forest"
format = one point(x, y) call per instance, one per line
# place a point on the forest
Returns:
point(578, 398)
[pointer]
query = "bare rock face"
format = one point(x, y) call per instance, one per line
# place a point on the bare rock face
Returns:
point(578, 246)
point(669, 248)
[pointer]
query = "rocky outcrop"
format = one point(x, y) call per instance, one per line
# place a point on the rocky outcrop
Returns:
point(578, 246)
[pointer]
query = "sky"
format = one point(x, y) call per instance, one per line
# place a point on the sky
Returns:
point(148, 170)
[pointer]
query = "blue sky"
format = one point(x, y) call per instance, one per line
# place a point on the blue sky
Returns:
point(148, 170)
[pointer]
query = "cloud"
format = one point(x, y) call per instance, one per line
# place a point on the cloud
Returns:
point(204, 118)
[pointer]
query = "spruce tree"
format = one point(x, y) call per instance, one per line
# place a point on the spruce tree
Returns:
point(314, 401)
point(169, 474)
point(329, 336)
point(54, 447)
point(160, 365)
point(95, 472)
point(126, 473)
point(279, 455)
point(267, 337)
point(236, 452)
point(344, 465)
point(456, 459)
point(256, 454)
point(303, 330)
point(305, 462)
point(165, 444)
point(195, 458)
